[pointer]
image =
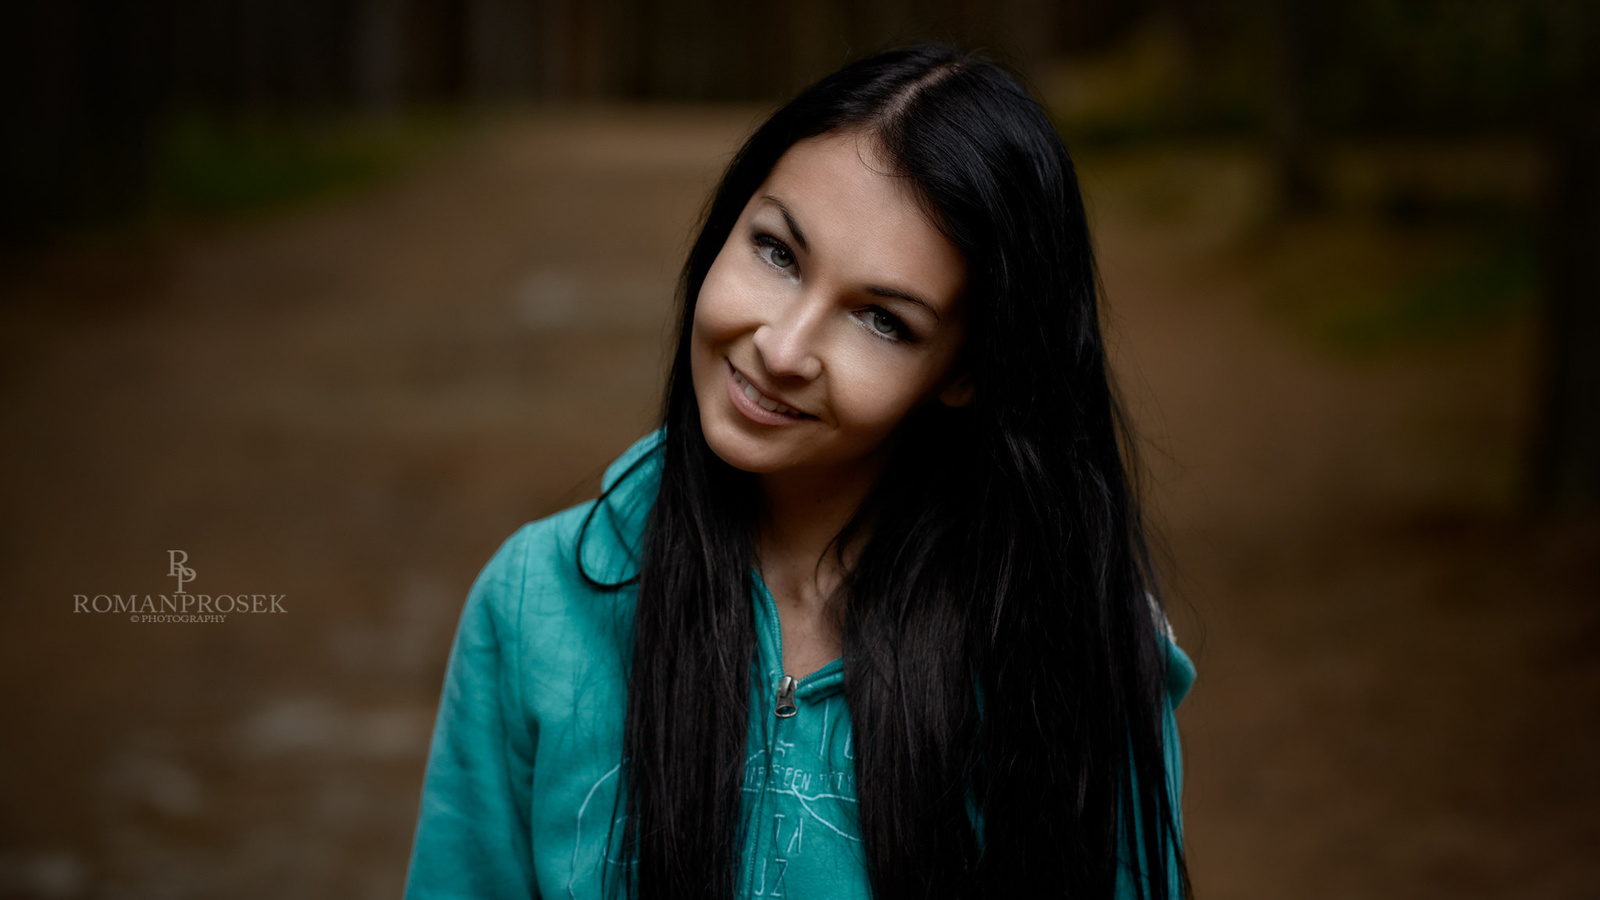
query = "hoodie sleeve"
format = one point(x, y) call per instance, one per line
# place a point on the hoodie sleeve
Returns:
point(472, 837)
point(1180, 676)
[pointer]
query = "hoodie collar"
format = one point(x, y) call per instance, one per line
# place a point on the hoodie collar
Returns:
point(823, 682)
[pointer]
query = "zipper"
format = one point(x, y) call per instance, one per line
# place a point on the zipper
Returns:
point(786, 706)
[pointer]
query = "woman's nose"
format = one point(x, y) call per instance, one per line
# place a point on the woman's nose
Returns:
point(788, 342)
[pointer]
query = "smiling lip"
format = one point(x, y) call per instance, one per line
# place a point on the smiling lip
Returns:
point(739, 389)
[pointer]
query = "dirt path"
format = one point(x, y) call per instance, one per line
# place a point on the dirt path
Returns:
point(351, 405)
point(1398, 679)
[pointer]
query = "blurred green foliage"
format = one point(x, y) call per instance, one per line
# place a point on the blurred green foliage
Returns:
point(1418, 227)
point(1468, 294)
point(210, 164)
point(1451, 65)
point(1346, 68)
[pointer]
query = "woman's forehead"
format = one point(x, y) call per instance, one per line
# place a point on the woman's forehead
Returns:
point(848, 159)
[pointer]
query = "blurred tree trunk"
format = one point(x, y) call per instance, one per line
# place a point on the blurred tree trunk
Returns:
point(1030, 29)
point(82, 90)
point(501, 49)
point(1294, 54)
point(585, 29)
point(37, 87)
point(1195, 21)
point(816, 40)
point(680, 57)
point(377, 54)
point(1567, 454)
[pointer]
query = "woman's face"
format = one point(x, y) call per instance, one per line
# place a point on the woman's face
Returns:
point(833, 310)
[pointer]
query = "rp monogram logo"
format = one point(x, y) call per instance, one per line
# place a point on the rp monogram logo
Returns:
point(177, 569)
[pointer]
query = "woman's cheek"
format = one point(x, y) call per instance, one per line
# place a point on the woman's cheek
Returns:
point(885, 388)
point(863, 389)
point(726, 307)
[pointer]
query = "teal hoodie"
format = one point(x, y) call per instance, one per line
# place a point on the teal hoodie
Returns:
point(521, 787)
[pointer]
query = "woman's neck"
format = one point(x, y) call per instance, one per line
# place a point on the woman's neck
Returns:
point(803, 514)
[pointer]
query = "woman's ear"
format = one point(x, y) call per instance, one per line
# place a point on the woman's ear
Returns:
point(958, 392)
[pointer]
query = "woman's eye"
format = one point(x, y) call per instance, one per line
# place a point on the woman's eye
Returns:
point(775, 252)
point(884, 325)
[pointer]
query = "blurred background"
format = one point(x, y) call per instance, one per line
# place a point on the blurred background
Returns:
point(332, 295)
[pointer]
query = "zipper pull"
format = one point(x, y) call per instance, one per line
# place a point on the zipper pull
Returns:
point(786, 707)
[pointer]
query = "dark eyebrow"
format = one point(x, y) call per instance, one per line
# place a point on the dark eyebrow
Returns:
point(874, 289)
point(788, 218)
point(880, 291)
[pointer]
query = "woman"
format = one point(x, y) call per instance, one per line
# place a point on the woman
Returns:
point(871, 614)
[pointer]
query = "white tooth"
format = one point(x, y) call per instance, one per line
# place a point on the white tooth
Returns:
point(767, 403)
point(751, 392)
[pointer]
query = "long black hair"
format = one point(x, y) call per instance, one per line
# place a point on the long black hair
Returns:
point(1003, 652)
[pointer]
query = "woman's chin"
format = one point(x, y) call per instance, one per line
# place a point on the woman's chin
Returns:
point(738, 452)
point(746, 452)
